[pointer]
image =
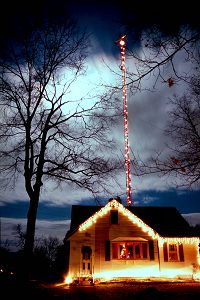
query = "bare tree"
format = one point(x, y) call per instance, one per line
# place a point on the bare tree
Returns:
point(182, 148)
point(181, 157)
point(44, 134)
point(158, 54)
point(49, 246)
point(21, 236)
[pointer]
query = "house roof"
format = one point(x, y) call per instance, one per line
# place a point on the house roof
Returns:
point(166, 221)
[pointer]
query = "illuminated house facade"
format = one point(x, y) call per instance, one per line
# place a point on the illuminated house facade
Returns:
point(118, 242)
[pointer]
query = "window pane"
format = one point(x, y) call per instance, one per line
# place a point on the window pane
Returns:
point(123, 251)
point(129, 250)
point(137, 251)
point(86, 252)
point(173, 254)
point(114, 217)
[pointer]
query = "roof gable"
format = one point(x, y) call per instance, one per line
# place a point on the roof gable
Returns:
point(166, 221)
point(115, 204)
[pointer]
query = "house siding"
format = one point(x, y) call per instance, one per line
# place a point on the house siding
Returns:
point(100, 236)
point(96, 237)
point(77, 241)
point(182, 268)
point(102, 228)
point(124, 229)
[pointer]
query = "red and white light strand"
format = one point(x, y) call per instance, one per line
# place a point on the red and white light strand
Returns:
point(122, 45)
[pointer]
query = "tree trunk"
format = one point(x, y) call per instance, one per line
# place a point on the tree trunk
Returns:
point(30, 234)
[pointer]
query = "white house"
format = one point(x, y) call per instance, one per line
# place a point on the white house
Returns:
point(117, 242)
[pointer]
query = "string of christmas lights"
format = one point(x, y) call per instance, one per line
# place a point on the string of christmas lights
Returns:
point(122, 45)
point(114, 204)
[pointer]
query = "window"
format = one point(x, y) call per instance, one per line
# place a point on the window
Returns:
point(114, 217)
point(173, 252)
point(129, 250)
point(86, 252)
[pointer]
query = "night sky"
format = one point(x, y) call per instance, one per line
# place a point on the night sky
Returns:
point(106, 21)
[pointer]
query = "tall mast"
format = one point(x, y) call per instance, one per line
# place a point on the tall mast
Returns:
point(122, 45)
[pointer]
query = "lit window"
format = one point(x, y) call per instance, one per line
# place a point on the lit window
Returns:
point(129, 250)
point(173, 252)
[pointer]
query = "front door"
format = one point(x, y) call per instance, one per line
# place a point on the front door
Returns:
point(86, 261)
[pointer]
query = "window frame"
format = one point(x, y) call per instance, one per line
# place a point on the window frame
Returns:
point(114, 217)
point(169, 253)
point(137, 250)
point(173, 254)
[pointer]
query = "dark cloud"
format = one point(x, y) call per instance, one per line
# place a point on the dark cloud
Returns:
point(46, 211)
point(44, 228)
point(17, 18)
point(108, 20)
point(167, 16)
point(105, 20)
point(184, 200)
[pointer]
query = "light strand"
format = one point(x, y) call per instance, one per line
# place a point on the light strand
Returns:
point(114, 204)
point(122, 45)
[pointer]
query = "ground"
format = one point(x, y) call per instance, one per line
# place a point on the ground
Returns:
point(107, 291)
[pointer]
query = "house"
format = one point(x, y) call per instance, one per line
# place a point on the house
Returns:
point(126, 242)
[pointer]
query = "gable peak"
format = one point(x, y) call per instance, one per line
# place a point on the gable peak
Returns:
point(117, 198)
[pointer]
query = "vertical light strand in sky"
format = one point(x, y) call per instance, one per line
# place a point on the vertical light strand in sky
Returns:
point(122, 45)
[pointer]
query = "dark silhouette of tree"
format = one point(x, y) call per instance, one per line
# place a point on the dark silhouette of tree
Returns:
point(49, 260)
point(156, 37)
point(20, 235)
point(181, 156)
point(6, 263)
point(49, 246)
point(44, 265)
point(44, 134)
point(156, 56)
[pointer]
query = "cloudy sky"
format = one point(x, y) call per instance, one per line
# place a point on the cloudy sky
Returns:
point(106, 20)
